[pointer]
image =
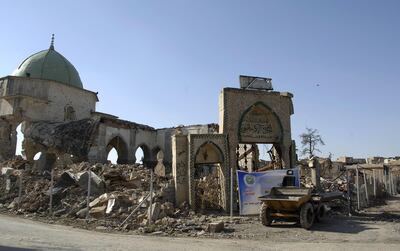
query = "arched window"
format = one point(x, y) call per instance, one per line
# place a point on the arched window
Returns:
point(117, 151)
point(69, 113)
point(112, 156)
point(19, 141)
point(143, 155)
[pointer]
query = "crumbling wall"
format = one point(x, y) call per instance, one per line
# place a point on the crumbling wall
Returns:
point(7, 148)
point(69, 137)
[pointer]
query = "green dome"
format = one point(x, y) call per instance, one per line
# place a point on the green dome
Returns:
point(49, 65)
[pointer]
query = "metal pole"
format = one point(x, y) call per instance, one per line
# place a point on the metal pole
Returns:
point(134, 210)
point(151, 197)
point(348, 193)
point(19, 188)
point(358, 189)
point(231, 196)
point(366, 187)
point(51, 192)
point(374, 178)
point(88, 193)
point(8, 184)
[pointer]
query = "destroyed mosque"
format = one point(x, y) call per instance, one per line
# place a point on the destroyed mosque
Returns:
point(58, 118)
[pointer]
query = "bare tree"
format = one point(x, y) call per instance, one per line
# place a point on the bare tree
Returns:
point(310, 140)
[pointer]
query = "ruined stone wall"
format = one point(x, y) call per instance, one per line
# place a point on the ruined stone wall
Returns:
point(196, 141)
point(125, 137)
point(233, 106)
point(6, 107)
point(163, 137)
point(38, 99)
point(235, 102)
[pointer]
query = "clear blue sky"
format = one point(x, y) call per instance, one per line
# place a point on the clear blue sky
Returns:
point(163, 63)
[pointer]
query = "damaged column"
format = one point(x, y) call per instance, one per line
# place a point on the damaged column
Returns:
point(180, 167)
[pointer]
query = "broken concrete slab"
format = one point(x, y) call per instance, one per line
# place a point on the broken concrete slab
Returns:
point(66, 179)
point(99, 201)
point(168, 209)
point(97, 212)
point(7, 171)
point(215, 227)
point(154, 211)
point(97, 185)
point(82, 213)
point(110, 205)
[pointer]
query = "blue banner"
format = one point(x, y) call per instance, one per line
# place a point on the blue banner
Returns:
point(254, 185)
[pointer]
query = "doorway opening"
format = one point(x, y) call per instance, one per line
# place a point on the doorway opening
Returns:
point(208, 178)
point(258, 157)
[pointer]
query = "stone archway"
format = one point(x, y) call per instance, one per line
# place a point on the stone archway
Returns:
point(208, 177)
point(121, 147)
point(259, 124)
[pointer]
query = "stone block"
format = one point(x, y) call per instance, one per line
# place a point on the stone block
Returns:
point(215, 227)
point(168, 208)
point(66, 179)
point(98, 212)
point(82, 213)
point(99, 201)
point(7, 171)
point(97, 185)
point(155, 210)
point(159, 170)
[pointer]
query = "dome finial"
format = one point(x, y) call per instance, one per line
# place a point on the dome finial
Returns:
point(52, 42)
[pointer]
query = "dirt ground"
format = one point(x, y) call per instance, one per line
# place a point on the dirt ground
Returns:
point(377, 228)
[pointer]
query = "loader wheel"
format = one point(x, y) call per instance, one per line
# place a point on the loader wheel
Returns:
point(306, 215)
point(320, 213)
point(265, 215)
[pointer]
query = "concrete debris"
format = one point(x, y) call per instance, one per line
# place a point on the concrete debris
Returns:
point(97, 212)
point(7, 171)
point(215, 227)
point(97, 185)
point(101, 200)
point(16, 163)
point(110, 205)
point(66, 179)
point(82, 213)
point(154, 211)
point(117, 190)
point(208, 192)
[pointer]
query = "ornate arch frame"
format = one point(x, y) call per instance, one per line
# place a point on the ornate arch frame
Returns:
point(196, 141)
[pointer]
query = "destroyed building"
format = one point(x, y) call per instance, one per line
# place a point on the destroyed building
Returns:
point(59, 118)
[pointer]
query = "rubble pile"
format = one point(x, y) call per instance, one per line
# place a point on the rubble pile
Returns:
point(329, 183)
point(119, 199)
point(208, 190)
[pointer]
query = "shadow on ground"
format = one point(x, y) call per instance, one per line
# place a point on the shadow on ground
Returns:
point(342, 224)
point(334, 224)
point(5, 248)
